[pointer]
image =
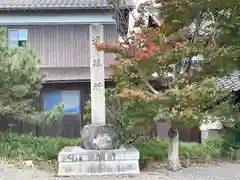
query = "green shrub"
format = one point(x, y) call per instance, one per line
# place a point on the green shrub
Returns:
point(231, 136)
point(47, 149)
point(157, 150)
point(209, 150)
point(151, 150)
point(34, 148)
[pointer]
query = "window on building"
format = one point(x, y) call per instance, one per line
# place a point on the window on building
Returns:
point(69, 98)
point(17, 37)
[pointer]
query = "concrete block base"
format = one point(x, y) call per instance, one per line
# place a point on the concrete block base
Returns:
point(75, 161)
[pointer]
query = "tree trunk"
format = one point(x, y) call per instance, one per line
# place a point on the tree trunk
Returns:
point(173, 151)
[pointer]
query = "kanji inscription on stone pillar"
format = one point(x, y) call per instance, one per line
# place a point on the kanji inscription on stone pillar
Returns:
point(97, 76)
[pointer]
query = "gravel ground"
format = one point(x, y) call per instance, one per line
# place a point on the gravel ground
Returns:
point(224, 171)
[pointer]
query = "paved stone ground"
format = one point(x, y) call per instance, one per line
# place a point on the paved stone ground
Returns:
point(224, 171)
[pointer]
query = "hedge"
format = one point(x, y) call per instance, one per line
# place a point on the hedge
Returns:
point(157, 150)
point(33, 148)
point(47, 149)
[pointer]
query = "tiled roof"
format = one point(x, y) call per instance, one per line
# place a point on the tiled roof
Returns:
point(53, 4)
point(230, 82)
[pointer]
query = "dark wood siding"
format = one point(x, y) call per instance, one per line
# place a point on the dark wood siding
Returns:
point(65, 45)
point(185, 134)
point(70, 125)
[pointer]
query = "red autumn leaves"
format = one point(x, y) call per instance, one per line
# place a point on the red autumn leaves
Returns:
point(146, 51)
point(141, 48)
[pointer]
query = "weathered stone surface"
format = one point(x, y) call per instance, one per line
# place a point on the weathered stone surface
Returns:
point(100, 137)
point(79, 161)
point(98, 168)
point(77, 154)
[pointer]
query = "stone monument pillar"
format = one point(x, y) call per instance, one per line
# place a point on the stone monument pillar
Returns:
point(101, 152)
point(97, 76)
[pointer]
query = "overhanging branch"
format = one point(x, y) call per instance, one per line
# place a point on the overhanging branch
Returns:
point(151, 88)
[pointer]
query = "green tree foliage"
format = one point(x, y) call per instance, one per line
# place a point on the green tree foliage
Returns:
point(204, 29)
point(20, 84)
point(207, 30)
point(231, 132)
point(133, 120)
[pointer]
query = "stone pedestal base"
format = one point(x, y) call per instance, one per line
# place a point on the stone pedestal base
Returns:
point(76, 161)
